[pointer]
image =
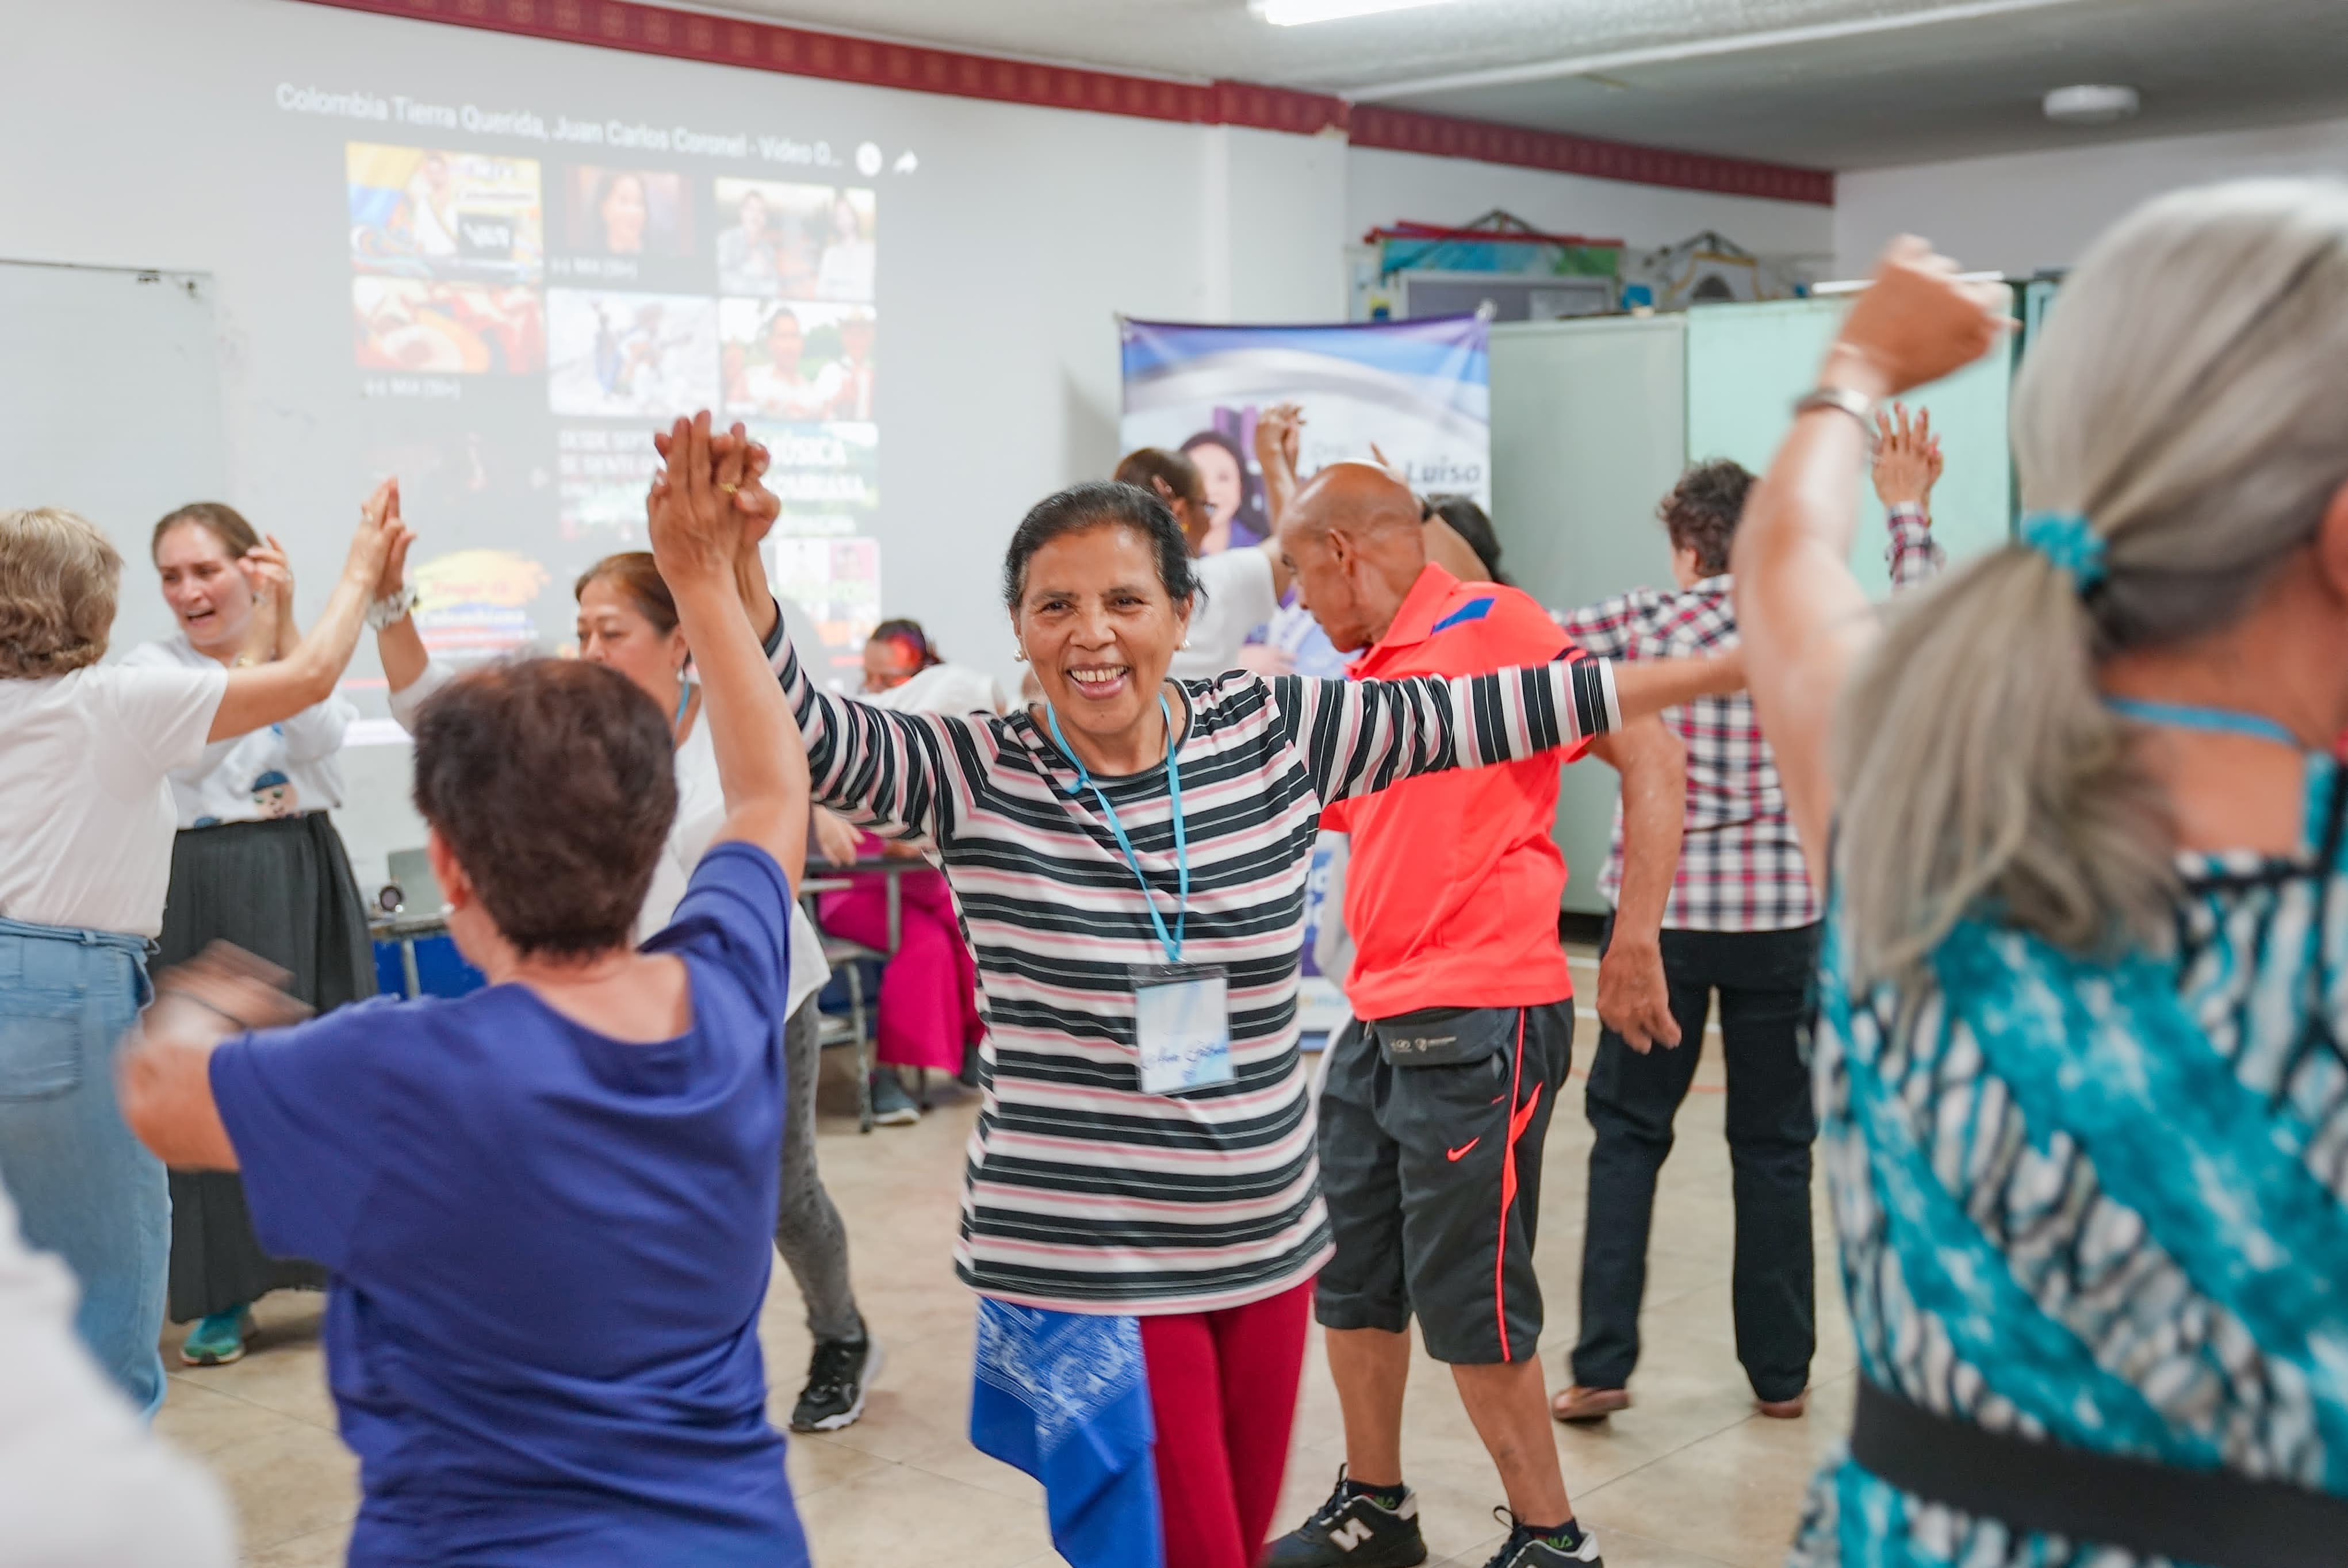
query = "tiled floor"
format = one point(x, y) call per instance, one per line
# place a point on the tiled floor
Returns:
point(1688, 1477)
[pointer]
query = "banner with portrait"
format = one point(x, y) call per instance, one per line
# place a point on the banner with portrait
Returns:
point(1416, 394)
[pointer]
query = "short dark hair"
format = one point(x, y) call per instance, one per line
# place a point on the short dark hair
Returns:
point(1176, 472)
point(1101, 503)
point(1702, 511)
point(553, 782)
point(1467, 520)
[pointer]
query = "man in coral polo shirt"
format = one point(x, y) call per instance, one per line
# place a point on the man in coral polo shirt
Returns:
point(1437, 1096)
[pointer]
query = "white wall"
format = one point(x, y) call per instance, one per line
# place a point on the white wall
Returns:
point(1382, 187)
point(2026, 211)
point(149, 133)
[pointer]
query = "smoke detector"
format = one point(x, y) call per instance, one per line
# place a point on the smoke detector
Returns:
point(2092, 104)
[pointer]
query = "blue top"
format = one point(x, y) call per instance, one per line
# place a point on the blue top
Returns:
point(2101, 1202)
point(549, 1251)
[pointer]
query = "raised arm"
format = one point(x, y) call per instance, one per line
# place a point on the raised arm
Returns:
point(761, 765)
point(1907, 465)
point(263, 695)
point(889, 771)
point(1803, 618)
point(1364, 735)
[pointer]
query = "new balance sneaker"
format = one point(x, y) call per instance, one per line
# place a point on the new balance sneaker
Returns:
point(1528, 1548)
point(891, 1106)
point(1353, 1531)
point(838, 1373)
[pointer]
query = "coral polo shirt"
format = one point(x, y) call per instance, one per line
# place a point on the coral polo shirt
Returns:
point(1452, 887)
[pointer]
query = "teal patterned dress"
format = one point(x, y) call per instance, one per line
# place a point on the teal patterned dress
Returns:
point(2104, 1204)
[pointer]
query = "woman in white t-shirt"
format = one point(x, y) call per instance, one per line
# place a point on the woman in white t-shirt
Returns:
point(256, 862)
point(1239, 589)
point(87, 819)
point(628, 620)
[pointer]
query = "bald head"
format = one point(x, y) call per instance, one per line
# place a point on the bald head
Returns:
point(1360, 500)
point(1353, 535)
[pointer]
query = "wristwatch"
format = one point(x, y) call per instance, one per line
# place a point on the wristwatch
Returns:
point(392, 608)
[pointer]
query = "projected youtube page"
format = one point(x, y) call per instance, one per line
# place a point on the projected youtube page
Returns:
point(521, 320)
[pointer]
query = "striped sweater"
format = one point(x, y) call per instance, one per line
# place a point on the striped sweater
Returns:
point(1083, 1194)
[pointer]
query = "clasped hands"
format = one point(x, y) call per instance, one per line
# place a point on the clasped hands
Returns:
point(709, 504)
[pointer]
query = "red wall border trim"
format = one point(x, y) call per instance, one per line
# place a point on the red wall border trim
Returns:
point(1408, 130)
point(798, 51)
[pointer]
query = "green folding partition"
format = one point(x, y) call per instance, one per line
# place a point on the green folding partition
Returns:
point(1587, 436)
point(1746, 364)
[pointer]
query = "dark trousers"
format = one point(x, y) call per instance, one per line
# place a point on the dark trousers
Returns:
point(1763, 978)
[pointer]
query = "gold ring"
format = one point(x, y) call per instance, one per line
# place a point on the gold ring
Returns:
point(730, 490)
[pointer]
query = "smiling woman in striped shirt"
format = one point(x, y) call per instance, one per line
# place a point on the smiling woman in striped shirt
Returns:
point(1129, 857)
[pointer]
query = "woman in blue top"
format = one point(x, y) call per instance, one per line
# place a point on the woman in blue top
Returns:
point(2084, 989)
point(545, 1207)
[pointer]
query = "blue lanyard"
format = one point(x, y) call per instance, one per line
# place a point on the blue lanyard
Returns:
point(2211, 720)
point(1172, 945)
point(684, 700)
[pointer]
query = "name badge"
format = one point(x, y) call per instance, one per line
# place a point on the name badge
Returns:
point(1182, 1025)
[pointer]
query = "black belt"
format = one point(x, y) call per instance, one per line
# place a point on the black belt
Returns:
point(2211, 1517)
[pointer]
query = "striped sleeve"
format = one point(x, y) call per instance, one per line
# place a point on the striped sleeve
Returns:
point(892, 772)
point(1358, 737)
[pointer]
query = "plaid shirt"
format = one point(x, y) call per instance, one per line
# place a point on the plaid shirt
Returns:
point(1741, 867)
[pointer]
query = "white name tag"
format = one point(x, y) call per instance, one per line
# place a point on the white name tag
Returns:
point(1182, 1025)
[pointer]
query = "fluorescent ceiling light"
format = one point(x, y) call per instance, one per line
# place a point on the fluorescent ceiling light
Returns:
point(1296, 13)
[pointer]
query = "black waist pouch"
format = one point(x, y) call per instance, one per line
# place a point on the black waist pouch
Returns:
point(1445, 1037)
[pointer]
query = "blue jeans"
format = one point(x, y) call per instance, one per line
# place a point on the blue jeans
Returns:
point(84, 1187)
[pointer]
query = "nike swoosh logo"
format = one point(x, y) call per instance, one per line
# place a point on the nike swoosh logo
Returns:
point(1453, 1154)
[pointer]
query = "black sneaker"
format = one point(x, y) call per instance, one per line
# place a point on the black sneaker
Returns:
point(1354, 1531)
point(838, 1374)
point(1523, 1549)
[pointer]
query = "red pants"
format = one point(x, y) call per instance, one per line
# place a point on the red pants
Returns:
point(1223, 1390)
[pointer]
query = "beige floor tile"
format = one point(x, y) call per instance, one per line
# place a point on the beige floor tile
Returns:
point(319, 1549)
point(203, 1421)
point(288, 1485)
point(899, 1516)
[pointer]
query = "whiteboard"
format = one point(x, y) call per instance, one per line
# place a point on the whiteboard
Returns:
point(111, 407)
point(1747, 363)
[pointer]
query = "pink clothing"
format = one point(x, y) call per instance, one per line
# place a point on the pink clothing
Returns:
point(928, 990)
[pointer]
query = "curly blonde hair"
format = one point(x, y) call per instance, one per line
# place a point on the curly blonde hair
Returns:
point(59, 578)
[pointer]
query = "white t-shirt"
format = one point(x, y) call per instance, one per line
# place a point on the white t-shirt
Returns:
point(86, 812)
point(700, 813)
point(277, 772)
point(1236, 598)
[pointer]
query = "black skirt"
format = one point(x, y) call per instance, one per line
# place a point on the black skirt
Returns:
point(283, 891)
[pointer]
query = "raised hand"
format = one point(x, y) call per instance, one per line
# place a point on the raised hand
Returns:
point(1916, 322)
point(379, 530)
point(1907, 457)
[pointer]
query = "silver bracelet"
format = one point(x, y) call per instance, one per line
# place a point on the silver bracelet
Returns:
point(1858, 405)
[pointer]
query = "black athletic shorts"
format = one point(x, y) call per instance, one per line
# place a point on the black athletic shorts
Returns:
point(1431, 1133)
